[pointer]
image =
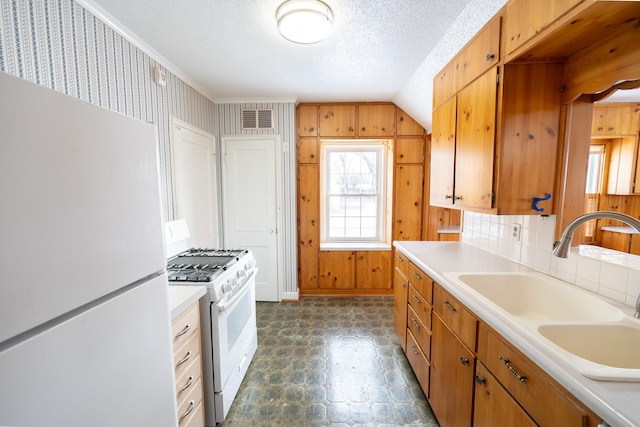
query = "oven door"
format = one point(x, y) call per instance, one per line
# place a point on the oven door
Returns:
point(234, 336)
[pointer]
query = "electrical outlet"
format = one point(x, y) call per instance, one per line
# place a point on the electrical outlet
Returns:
point(515, 232)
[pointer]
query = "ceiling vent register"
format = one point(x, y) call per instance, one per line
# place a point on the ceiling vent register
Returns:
point(257, 119)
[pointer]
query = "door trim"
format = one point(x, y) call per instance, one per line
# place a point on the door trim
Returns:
point(277, 139)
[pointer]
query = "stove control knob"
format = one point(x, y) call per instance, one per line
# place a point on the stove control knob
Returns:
point(241, 274)
point(227, 287)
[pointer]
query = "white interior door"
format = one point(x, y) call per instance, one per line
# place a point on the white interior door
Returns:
point(194, 181)
point(250, 203)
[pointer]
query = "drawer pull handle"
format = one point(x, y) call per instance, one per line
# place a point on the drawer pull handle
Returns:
point(415, 350)
point(480, 380)
point(464, 361)
point(415, 323)
point(400, 259)
point(184, 330)
point(417, 276)
point(184, 359)
point(416, 299)
point(187, 385)
point(450, 307)
point(404, 285)
point(192, 405)
point(513, 370)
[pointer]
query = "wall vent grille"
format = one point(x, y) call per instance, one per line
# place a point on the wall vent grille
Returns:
point(257, 119)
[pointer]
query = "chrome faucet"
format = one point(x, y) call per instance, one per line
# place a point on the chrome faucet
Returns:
point(561, 247)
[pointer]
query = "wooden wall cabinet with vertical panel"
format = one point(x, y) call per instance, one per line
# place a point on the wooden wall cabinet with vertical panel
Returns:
point(357, 272)
point(615, 120)
point(623, 159)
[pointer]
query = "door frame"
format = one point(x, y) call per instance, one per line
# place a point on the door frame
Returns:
point(174, 123)
point(277, 140)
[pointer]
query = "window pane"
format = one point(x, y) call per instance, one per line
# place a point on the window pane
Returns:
point(336, 227)
point(352, 227)
point(353, 206)
point(336, 206)
point(369, 205)
point(368, 227)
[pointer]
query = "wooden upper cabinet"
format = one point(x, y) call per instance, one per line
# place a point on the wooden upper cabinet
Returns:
point(475, 141)
point(376, 120)
point(406, 126)
point(443, 146)
point(444, 85)
point(407, 206)
point(337, 120)
point(409, 150)
point(308, 150)
point(610, 120)
point(526, 18)
point(307, 120)
point(481, 54)
point(623, 154)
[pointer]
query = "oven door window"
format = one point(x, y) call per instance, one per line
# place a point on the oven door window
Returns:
point(238, 318)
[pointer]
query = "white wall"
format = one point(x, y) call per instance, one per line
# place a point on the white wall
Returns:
point(609, 273)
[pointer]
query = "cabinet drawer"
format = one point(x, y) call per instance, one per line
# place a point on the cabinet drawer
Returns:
point(189, 404)
point(527, 384)
point(420, 306)
point(195, 419)
point(458, 318)
point(418, 362)
point(421, 333)
point(185, 325)
point(421, 282)
point(187, 380)
point(186, 354)
point(401, 263)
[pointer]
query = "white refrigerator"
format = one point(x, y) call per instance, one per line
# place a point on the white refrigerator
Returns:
point(84, 321)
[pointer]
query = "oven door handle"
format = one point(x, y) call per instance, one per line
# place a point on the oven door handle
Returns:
point(238, 293)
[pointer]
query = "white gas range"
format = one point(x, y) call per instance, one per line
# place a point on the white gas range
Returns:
point(228, 319)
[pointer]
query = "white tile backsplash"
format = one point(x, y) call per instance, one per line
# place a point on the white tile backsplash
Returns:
point(612, 274)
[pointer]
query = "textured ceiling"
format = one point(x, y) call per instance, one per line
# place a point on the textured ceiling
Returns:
point(380, 50)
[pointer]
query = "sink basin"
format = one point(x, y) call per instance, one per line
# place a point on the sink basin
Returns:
point(541, 298)
point(614, 349)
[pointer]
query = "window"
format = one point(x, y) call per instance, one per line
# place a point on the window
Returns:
point(353, 191)
point(593, 188)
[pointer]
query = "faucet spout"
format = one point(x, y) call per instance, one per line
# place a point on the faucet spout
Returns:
point(561, 247)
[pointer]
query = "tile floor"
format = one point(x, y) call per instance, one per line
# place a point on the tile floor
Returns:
point(329, 362)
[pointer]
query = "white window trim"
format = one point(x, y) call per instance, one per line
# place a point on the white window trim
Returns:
point(381, 241)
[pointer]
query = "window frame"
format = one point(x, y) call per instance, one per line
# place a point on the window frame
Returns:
point(381, 147)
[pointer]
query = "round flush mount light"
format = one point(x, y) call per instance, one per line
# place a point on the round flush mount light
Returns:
point(304, 21)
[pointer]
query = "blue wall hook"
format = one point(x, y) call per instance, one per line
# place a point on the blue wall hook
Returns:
point(537, 200)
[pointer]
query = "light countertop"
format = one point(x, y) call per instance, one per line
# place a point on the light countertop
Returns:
point(615, 402)
point(624, 229)
point(181, 297)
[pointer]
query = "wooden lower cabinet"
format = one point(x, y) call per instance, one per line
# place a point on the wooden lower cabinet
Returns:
point(343, 272)
point(471, 375)
point(494, 406)
point(452, 376)
point(400, 291)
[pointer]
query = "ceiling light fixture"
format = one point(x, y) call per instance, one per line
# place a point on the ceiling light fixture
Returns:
point(304, 21)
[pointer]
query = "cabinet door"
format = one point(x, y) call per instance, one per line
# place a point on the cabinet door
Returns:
point(409, 150)
point(475, 140)
point(308, 226)
point(308, 150)
point(493, 406)
point(452, 371)
point(482, 53)
point(376, 120)
point(308, 120)
point(337, 120)
point(616, 241)
point(526, 18)
point(405, 125)
point(443, 146)
point(623, 154)
point(373, 270)
point(400, 295)
point(407, 209)
point(611, 120)
point(337, 269)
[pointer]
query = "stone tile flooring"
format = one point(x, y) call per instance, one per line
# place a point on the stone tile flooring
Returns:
point(329, 362)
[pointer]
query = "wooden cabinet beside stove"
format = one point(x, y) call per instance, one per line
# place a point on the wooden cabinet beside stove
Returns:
point(185, 329)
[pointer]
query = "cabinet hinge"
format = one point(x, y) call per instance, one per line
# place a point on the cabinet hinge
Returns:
point(493, 198)
point(498, 77)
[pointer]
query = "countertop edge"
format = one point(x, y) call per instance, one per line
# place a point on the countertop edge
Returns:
point(437, 258)
point(181, 297)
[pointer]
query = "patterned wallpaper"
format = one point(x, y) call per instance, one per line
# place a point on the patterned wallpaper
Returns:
point(58, 44)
